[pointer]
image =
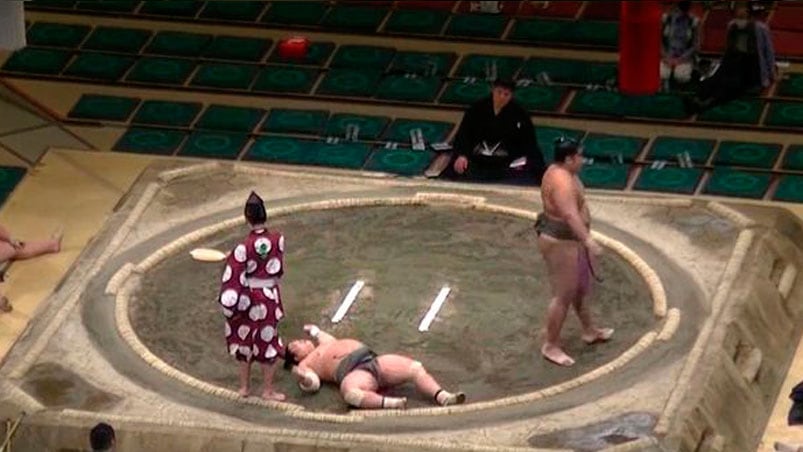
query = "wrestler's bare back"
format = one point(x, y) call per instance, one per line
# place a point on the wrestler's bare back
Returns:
point(326, 356)
point(555, 179)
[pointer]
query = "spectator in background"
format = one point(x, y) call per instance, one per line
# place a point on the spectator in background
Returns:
point(101, 438)
point(496, 141)
point(680, 44)
point(748, 62)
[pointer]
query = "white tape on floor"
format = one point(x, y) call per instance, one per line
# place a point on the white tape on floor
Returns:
point(348, 301)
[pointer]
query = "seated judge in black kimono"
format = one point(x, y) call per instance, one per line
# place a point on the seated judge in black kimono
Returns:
point(496, 141)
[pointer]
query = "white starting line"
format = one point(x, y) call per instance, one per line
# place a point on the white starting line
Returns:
point(348, 301)
point(434, 308)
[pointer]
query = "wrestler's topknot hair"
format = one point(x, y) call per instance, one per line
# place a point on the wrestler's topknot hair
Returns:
point(566, 147)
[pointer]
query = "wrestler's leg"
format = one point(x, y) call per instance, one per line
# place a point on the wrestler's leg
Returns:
point(30, 249)
point(561, 263)
point(591, 334)
point(359, 389)
point(396, 370)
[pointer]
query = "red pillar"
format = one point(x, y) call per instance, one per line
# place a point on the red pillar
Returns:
point(640, 47)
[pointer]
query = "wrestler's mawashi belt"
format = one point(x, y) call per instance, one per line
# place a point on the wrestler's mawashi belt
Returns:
point(562, 231)
point(362, 358)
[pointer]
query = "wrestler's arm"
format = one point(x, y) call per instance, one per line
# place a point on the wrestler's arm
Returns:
point(322, 337)
point(307, 379)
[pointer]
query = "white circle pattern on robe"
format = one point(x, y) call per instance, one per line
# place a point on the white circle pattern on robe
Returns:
point(273, 266)
point(250, 266)
point(267, 333)
point(245, 351)
point(226, 274)
point(255, 350)
point(228, 312)
point(233, 349)
point(228, 329)
point(244, 303)
point(228, 298)
point(258, 312)
point(270, 352)
point(242, 331)
point(243, 279)
point(281, 243)
point(270, 292)
point(239, 253)
point(258, 243)
point(281, 344)
point(279, 314)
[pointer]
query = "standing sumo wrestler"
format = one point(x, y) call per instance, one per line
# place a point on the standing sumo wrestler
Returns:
point(251, 299)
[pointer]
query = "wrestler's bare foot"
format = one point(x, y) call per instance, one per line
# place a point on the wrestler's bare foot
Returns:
point(244, 391)
point(275, 396)
point(56, 237)
point(556, 355)
point(597, 336)
point(5, 305)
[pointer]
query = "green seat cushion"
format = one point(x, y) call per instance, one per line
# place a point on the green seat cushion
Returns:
point(668, 148)
point(245, 11)
point(177, 43)
point(281, 150)
point(235, 48)
point(230, 118)
point(729, 182)
point(464, 93)
point(163, 113)
point(755, 155)
point(794, 158)
point(432, 131)
point(739, 111)
point(342, 155)
point(370, 127)
point(285, 79)
point(10, 176)
point(790, 189)
point(570, 71)
point(423, 63)
point(227, 76)
point(292, 151)
point(218, 145)
point(400, 161)
point(124, 40)
point(791, 86)
point(598, 103)
point(362, 57)
point(282, 120)
point(482, 66)
point(173, 8)
point(556, 31)
point(350, 82)
point(409, 88)
point(351, 17)
point(56, 35)
point(56, 4)
point(658, 106)
point(143, 140)
point(785, 114)
point(99, 66)
point(174, 71)
point(411, 21)
point(107, 108)
point(540, 98)
point(108, 6)
point(317, 54)
point(38, 61)
point(609, 146)
point(605, 176)
point(546, 137)
point(295, 13)
point(669, 180)
point(477, 25)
